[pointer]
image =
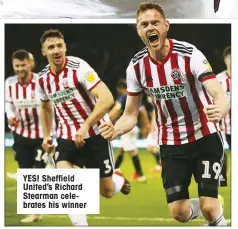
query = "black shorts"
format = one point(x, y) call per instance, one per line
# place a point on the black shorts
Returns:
point(202, 158)
point(29, 152)
point(96, 153)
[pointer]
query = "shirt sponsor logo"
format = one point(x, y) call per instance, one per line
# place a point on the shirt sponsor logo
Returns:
point(168, 92)
point(62, 96)
point(25, 103)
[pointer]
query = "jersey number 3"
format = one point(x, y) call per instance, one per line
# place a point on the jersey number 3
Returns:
point(107, 166)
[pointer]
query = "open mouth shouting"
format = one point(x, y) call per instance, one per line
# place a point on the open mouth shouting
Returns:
point(153, 39)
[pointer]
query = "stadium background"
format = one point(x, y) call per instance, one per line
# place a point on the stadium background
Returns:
point(108, 48)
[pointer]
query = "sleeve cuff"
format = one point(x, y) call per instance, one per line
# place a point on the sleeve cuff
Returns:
point(91, 88)
point(133, 93)
point(207, 76)
point(44, 100)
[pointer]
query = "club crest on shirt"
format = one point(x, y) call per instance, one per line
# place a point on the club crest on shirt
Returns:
point(65, 83)
point(176, 74)
point(91, 77)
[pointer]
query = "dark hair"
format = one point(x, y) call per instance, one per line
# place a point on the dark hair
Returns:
point(149, 6)
point(227, 51)
point(121, 84)
point(21, 54)
point(51, 33)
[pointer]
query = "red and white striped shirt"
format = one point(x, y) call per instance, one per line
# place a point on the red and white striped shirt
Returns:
point(70, 93)
point(175, 86)
point(225, 81)
point(23, 102)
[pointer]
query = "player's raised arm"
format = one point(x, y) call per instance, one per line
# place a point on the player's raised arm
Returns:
point(203, 71)
point(130, 115)
point(104, 103)
point(221, 102)
point(129, 118)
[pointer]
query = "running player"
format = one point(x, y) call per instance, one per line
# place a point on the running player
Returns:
point(189, 102)
point(23, 113)
point(81, 100)
point(128, 140)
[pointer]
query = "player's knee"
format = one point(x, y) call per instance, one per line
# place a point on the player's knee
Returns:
point(150, 148)
point(180, 217)
point(179, 212)
point(208, 209)
point(133, 153)
point(208, 206)
point(121, 151)
point(107, 192)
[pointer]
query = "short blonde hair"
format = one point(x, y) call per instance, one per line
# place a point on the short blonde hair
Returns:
point(149, 6)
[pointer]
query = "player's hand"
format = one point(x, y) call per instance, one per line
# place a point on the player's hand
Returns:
point(213, 113)
point(47, 144)
point(12, 121)
point(107, 130)
point(80, 135)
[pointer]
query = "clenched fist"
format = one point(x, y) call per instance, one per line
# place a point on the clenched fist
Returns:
point(107, 130)
point(213, 113)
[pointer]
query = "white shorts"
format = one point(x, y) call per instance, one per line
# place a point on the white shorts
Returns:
point(128, 141)
point(152, 139)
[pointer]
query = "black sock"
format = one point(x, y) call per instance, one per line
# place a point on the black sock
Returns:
point(136, 162)
point(119, 161)
point(157, 157)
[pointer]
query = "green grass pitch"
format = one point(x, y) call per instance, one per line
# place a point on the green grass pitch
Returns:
point(145, 206)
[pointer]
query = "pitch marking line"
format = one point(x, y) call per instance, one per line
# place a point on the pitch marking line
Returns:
point(122, 218)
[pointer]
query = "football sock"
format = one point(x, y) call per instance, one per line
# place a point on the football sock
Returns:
point(118, 182)
point(157, 157)
point(136, 162)
point(220, 221)
point(119, 161)
point(78, 220)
